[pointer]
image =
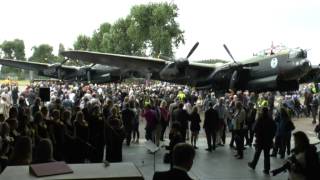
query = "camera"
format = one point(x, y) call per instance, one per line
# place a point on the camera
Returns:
point(290, 162)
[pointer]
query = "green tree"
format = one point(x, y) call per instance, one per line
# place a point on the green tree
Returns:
point(43, 53)
point(97, 38)
point(82, 42)
point(122, 39)
point(13, 50)
point(157, 27)
point(148, 28)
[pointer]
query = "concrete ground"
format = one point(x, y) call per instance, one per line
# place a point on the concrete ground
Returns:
point(219, 164)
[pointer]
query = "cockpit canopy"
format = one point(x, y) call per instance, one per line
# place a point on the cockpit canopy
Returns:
point(298, 53)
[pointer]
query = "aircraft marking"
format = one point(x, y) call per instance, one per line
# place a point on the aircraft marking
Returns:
point(274, 62)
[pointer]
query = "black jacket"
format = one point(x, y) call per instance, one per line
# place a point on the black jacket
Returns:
point(211, 120)
point(181, 116)
point(173, 174)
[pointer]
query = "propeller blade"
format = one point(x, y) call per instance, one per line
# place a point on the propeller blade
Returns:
point(193, 48)
point(226, 48)
point(89, 76)
point(59, 73)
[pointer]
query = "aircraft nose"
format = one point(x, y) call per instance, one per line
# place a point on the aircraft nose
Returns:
point(306, 65)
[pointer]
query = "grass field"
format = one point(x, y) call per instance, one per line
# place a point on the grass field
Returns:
point(22, 83)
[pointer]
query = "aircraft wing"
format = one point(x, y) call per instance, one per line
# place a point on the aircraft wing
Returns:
point(36, 66)
point(142, 64)
point(33, 66)
point(312, 76)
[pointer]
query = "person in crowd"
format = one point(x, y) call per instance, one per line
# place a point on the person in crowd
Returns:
point(15, 94)
point(175, 137)
point(13, 123)
point(164, 118)
point(127, 120)
point(44, 151)
point(307, 102)
point(304, 163)
point(115, 135)
point(250, 122)
point(238, 121)
point(67, 103)
point(314, 108)
point(183, 155)
point(39, 127)
point(58, 130)
point(81, 127)
point(285, 127)
point(158, 128)
point(36, 106)
point(97, 134)
point(265, 130)
point(210, 125)
point(194, 126)
point(222, 114)
point(231, 109)
point(135, 126)
point(4, 107)
point(21, 108)
point(180, 115)
point(150, 116)
point(22, 152)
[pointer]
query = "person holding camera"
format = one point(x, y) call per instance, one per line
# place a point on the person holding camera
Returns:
point(304, 163)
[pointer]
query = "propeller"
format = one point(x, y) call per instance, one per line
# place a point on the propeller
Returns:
point(182, 59)
point(179, 65)
point(192, 50)
point(58, 66)
point(88, 71)
point(227, 49)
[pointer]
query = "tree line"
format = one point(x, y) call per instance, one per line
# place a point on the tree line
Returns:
point(149, 30)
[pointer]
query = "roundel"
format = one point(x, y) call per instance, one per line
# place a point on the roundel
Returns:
point(274, 62)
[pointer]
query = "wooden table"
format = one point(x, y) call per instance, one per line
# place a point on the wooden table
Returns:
point(125, 171)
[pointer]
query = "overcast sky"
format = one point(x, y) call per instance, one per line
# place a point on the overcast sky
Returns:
point(246, 26)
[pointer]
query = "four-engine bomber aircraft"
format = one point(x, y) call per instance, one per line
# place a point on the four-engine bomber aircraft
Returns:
point(281, 71)
point(93, 73)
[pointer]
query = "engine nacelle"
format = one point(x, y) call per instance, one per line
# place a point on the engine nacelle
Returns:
point(174, 70)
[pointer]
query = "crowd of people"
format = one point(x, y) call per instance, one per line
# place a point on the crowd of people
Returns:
point(81, 123)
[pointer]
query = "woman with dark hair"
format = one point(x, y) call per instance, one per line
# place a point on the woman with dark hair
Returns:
point(66, 119)
point(304, 163)
point(195, 126)
point(265, 131)
point(135, 130)
point(59, 132)
point(164, 120)
point(285, 127)
point(22, 152)
point(13, 122)
point(97, 134)
point(115, 135)
point(40, 127)
point(44, 151)
point(175, 138)
point(81, 129)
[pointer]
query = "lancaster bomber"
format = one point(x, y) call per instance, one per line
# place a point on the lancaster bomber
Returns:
point(281, 71)
point(93, 73)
